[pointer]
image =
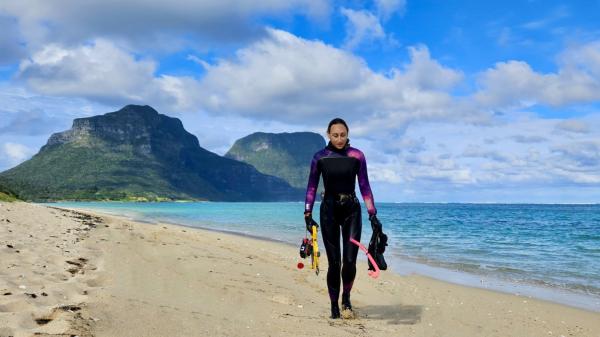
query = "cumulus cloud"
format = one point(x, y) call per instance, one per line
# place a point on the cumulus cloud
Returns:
point(104, 73)
point(16, 153)
point(365, 27)
point(426, 73)
point(291, 79)
point(27, 122)
point(513, 155)
point(142, 22)
point(515, 84)
point(29, 118)
point(387, 8)
point(280, 77)
point(412, 170)
point(572, 125)
point(584, 58)
point(362, 27)
point(578, 162)
point(583, 155)
point(16, 99)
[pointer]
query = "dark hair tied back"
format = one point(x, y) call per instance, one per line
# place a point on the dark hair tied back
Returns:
point(337, 121)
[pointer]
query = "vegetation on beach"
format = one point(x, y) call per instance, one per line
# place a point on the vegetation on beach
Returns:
point(7, 195)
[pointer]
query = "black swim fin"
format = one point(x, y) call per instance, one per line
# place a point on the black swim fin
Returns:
point(377, 248)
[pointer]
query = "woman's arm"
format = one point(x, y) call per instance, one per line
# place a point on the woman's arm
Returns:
point(313, 183)
point(363, 184)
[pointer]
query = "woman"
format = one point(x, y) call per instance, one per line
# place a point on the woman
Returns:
point(340, 164)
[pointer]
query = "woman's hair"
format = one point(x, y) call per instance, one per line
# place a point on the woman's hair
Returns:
point(337, 121)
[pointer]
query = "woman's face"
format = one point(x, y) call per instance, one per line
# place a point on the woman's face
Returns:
point(338, 135)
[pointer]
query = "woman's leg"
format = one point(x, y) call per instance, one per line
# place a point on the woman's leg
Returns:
point(351, 228)
point(331, 240)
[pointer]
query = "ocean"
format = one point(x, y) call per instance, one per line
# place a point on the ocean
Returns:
point(550, 252)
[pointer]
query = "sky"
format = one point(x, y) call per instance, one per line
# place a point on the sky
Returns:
point(451, 101)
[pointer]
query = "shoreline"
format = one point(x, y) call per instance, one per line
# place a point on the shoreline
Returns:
point(223, 231)
point(457, 277)
point(551, 294)
point(105, 275)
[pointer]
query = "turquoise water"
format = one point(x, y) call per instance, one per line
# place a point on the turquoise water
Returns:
point(547, 251)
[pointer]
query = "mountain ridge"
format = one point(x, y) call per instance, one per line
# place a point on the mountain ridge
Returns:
point(136, 153)
point(284, 155)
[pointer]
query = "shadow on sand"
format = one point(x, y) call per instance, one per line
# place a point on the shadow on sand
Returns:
point(394, 314)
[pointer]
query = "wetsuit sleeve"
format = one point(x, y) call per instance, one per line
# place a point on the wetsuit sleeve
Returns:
point(365, 187)
point(313, 183)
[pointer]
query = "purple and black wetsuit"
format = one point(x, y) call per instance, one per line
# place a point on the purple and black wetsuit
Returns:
point(340, 209)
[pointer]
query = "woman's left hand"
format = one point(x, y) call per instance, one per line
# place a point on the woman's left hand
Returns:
point(375, 224)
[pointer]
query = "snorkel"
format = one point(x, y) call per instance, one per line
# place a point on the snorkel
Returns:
point(372, 273)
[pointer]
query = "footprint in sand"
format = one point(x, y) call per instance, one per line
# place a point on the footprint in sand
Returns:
point(16, 306)
point(348, 314)
point(98, 281)
point(6, 332)
point(57, 277)
point(282, 299)
point(78, 266)
point(56, 323)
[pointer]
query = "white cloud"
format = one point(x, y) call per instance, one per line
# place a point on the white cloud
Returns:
point(362, 27)
point(518, 159)
point(26, 122)
point(26, 113)
point(16, 153)
point(582, 155)
point(387, 8)
point(384, 173)
point(514, 84)
point(428, 74)
point(512, 155)
point(573, 125)
point(290, 79)
point(281, 77)
point(104, 73)
point(582, 59)
point(142, 22)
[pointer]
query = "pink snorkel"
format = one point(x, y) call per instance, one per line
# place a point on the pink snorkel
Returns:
point(373, 274)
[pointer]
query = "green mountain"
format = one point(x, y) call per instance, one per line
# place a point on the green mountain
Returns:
point(284, 155)
point(137, 154)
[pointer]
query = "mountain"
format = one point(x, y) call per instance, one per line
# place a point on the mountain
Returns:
point(284, 155)
point(137, 154)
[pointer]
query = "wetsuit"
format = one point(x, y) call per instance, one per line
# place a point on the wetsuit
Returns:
point(340, 209)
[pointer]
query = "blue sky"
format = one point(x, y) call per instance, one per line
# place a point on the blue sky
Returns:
point(451, 101)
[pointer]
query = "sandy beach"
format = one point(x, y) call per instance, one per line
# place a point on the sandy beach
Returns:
point(67, 273)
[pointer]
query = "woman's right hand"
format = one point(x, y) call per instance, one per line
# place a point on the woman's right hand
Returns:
point(309, 221)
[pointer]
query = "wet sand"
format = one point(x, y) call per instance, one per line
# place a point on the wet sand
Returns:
point(109, 276)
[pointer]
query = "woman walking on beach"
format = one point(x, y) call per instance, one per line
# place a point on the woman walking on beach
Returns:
point(340, 213)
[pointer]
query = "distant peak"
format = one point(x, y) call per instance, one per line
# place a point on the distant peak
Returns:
point(132, 108)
